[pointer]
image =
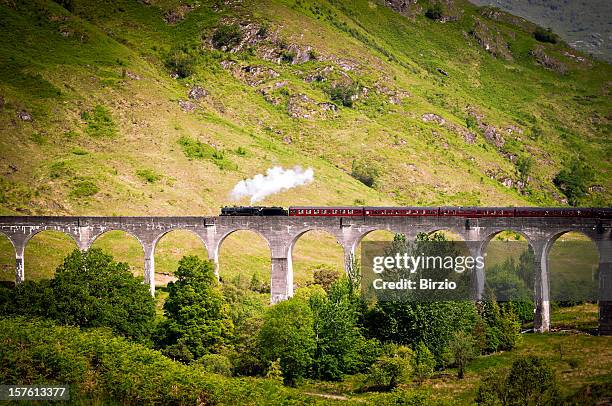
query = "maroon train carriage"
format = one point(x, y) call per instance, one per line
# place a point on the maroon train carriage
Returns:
point(400, 211)
point(325, 211)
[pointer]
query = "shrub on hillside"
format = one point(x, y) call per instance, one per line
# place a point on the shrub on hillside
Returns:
point(364, 172)
point(181, 62)
point(461, 350)
point(227, 36)
point(216, 364)
point(434, 12)
point(573, 181)
point(545, 35)
point(325, 276)
point(423, 362)
point(344, 93)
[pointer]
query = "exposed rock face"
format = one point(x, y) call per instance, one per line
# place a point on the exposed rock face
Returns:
point(197, 93)
point(547, 61)
point(24, 116)
point(400, 6)
point(251, 75)
point(132, 75)
point(431, 117)
point(187, 106)
point(492, 135)
point(492, 42)
point(178, 14)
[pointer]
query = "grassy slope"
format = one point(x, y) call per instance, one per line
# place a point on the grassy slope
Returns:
point(56, 78)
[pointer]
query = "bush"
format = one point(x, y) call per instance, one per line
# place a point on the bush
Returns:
point(364, 172)
point(390, 369)
point(325, 276)
point(530, 381)
point(104, 369)
point(216, 364)
point(198, 320)
point(423, 362)
point(545, 35)
point(524, 163)
point(100, 122)
point(181, 62)
point(573, 181)
point(148, 175)
point(84, 188)
point(227, 36)
point(434, 12)
point(344, 93)
point(195, 149)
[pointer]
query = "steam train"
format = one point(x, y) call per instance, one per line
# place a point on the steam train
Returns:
point(367, 211)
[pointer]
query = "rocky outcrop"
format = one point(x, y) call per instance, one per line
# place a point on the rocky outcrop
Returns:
point(547, 61)
point(197, 93)
point(467, 135)
point(187, 106)
point(178, 14)
point(491, 40)
point(24, 116)
point(252, 75)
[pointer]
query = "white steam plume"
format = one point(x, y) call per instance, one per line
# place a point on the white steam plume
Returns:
point(275, 180)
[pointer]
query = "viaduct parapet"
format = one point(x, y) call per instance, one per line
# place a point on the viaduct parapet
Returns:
point(282, 232)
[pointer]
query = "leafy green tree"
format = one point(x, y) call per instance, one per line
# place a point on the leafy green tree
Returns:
point(545, 35)
point(423, 362)
point(287, 334)
point(530, 381)
point(435, 12)
point(198, 317)
point(462, 349)
point(341, 347)
point(574, 180)
point(228, 35)
point(92, 290)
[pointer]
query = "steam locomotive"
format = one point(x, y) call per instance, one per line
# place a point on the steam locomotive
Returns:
point(368, 211)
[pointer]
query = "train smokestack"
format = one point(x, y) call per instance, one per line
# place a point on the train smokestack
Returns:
point(275, 180)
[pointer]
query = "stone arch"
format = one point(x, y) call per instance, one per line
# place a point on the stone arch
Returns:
point(28, 237)
point(216, 246)
point(355, 244)
point(449, 230)
point(576, 284)
point(43, 257)
point(7, 258)
point(136, 264)
point(298, 236)
point(165, 266)
point(491, 233)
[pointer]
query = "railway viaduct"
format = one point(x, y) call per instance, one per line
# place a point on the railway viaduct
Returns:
point(281, 234)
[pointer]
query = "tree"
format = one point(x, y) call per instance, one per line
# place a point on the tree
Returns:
point(462, 349)
point(573, 181)
point(198, 318)
point(434, 12)
point(341, 347)
point(530, 381)
point(545, 35)
point(423, 362)
point(287, 334)
point(92, 290)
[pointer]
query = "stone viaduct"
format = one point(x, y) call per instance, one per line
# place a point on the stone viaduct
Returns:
point(281, 234)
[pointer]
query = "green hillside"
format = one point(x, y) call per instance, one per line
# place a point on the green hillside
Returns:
point(159, 107)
